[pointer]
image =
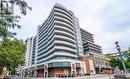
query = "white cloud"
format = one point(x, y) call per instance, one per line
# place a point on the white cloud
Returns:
point(103, 18)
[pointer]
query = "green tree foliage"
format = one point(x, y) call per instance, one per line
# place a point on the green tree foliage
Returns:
point(115, 62)
point(127, 58)
point(22, 4)
point(11, 53)
point(128, 64)
point(3, 31)
point(7, 18)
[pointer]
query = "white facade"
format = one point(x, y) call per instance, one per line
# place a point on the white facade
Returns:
point(57, 36)
point(78, 36)
point(92, 68)
point(30, 51)
point(58, 40)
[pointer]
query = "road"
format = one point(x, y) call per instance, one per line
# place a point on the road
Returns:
point(99, 76)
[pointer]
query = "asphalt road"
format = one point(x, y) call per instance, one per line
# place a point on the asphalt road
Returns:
point(99, 76)
point(102, 76)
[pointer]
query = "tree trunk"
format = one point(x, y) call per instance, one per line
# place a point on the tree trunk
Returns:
point(2, 75)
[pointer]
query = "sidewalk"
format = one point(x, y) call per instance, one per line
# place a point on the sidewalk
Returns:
point(97, 76)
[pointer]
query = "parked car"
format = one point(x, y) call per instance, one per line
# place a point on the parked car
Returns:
point(7, 77)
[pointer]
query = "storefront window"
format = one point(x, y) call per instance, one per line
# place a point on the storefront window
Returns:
point(60, 64)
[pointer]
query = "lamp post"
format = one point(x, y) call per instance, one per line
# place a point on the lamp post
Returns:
point(120, 55)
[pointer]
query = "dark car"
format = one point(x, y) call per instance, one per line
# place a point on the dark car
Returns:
point(7, 77)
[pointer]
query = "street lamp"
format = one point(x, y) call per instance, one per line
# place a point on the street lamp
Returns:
point(120, 55)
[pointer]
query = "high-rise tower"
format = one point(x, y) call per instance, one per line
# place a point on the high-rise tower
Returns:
point(30, 54)
point(59, 43)
point(89, 45)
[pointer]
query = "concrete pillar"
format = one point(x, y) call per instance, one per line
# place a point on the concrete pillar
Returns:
point(73, 69)
point(46, 70)
point(35, 73)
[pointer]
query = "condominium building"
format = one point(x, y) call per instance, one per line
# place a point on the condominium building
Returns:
point(89, 45)
point(58, 44)
point(30, 51)
point(90, 48)
point(78, 37)
point(101, 63)
point(57, 49)
point(86, 36)
point(56, 36)
point(94, 52)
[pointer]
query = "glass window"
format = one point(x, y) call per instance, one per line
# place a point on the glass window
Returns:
point(60, 64)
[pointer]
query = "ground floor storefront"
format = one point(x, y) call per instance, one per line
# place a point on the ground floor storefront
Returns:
point(102, 70)
point(63, 72)
point(56, 69)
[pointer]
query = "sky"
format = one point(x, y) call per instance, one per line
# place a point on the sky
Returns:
point(108, 20)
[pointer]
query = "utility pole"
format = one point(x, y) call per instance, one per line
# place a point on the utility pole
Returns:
point(120, 55)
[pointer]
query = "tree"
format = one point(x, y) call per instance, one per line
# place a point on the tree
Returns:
point(11, 53)
point(127, 58)
point(7, 18)
point(115, 62)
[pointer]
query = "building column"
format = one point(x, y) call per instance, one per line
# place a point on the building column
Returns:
point(73, 69)
point(35, 73)
point(46, 70)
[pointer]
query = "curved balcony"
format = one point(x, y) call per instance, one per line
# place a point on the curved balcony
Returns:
point(63, 16)
point(62, 33)
point(57, 54)
point(64, 43)
point(60, 10)
point(46, 36)
point(42, 32)
point(64, 21)
point(44, 44)
point(42, 26)
point(45, 41)
point(43, 59)
point(63, 24)
point(45, 23)
point(62, 28)
point(59, 47)
point(45, 54)
point(64, 38)
point(44, 47)
point(61, 53)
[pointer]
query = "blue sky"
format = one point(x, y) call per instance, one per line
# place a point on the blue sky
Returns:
point(108, 20)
